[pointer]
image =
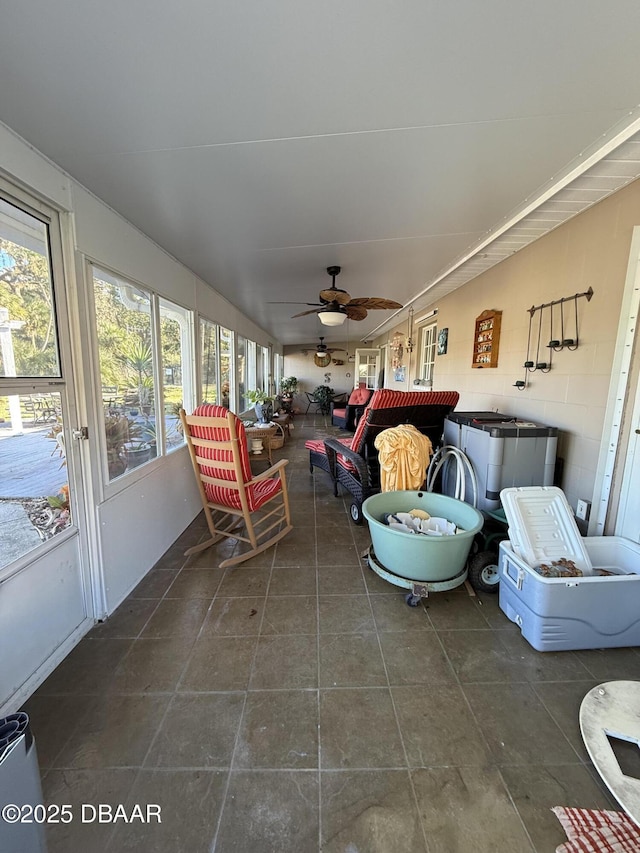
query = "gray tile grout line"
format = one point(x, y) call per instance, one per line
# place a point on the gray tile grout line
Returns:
point(214, 840)
point(172, 695)
point(486, 742)
point(399, 727)
point(318, 723)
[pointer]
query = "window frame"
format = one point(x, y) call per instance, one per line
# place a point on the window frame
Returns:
point(113, 486)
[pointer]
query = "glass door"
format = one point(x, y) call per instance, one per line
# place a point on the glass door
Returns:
point(367, 367)
point(43, 576)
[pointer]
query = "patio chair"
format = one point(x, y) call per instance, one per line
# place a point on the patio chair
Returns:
point(218, 448)
point(353, 462)
point(110, 398)
point(313, 401)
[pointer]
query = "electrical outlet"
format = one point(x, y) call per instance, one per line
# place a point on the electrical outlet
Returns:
point(583, 509)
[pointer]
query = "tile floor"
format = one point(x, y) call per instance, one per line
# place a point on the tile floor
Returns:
point(295, 703)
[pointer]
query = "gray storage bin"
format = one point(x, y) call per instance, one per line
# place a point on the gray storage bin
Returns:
point(503, 450)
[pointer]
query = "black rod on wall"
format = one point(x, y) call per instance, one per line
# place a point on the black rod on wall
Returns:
point(587, 293)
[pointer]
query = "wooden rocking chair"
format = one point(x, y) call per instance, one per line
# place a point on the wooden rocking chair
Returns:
point(218, 448)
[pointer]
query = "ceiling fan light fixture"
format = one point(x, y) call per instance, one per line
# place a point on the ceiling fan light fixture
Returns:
point(332, 316)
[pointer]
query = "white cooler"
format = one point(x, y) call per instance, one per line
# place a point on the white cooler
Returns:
point(566, 613)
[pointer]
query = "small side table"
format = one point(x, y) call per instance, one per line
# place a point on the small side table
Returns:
point(255, 434)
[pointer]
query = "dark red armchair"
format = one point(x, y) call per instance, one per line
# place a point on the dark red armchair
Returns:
point(347, 417)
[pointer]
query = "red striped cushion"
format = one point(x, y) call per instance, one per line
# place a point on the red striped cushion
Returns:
point(597, 831)
point(317, 446)
point(258, 493)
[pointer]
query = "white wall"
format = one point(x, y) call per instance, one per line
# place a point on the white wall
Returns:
point(302, 366)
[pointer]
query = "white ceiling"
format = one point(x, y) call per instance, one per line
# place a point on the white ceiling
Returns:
point(260, 142)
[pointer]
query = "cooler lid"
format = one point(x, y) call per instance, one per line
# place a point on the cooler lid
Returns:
point(542, 528)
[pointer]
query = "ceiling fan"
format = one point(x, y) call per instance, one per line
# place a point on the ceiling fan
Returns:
point(322, 349)
point(336, 304)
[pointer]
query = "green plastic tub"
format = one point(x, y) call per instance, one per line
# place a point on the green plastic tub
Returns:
point(419, 557)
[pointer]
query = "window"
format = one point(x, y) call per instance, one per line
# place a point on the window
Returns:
point(217, 373)
point(227, 396)
point(34, 477)
point(428, 342)
point(28, 325)
point(140, 397)
point(125, 356)
point(241, 372)
point(208, 361)
point(278, 369)
point(251, 367)
point(175, 340)
point(266, 369)
point(262, 368)
point(367, 367)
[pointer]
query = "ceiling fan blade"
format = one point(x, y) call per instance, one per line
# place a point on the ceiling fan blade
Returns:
point(334, 294)
point(374, 302)
point(355, 312)
point(304, 313)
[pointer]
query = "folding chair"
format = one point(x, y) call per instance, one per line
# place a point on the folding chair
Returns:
point(218, 448)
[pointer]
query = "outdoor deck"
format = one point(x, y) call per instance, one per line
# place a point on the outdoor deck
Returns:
point(28, 469)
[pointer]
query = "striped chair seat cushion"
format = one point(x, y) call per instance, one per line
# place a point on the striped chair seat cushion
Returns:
point(257, 493)
point(316, 445)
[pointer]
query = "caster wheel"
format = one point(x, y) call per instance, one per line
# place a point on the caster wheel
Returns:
point(412, 600)
point(355, 510)
point(484, 574)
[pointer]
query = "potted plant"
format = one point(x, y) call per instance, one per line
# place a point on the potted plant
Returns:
point(323, 396)
point(288, 388)
point(262, 404)
point(137, 452)
point(117, 434)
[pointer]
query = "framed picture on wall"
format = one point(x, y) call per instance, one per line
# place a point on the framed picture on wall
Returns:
point(443, 340)
point(399, 373)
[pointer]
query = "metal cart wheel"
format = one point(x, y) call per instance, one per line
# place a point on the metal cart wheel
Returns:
point(355, 510)
point(412, 600)
point(484, 573)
